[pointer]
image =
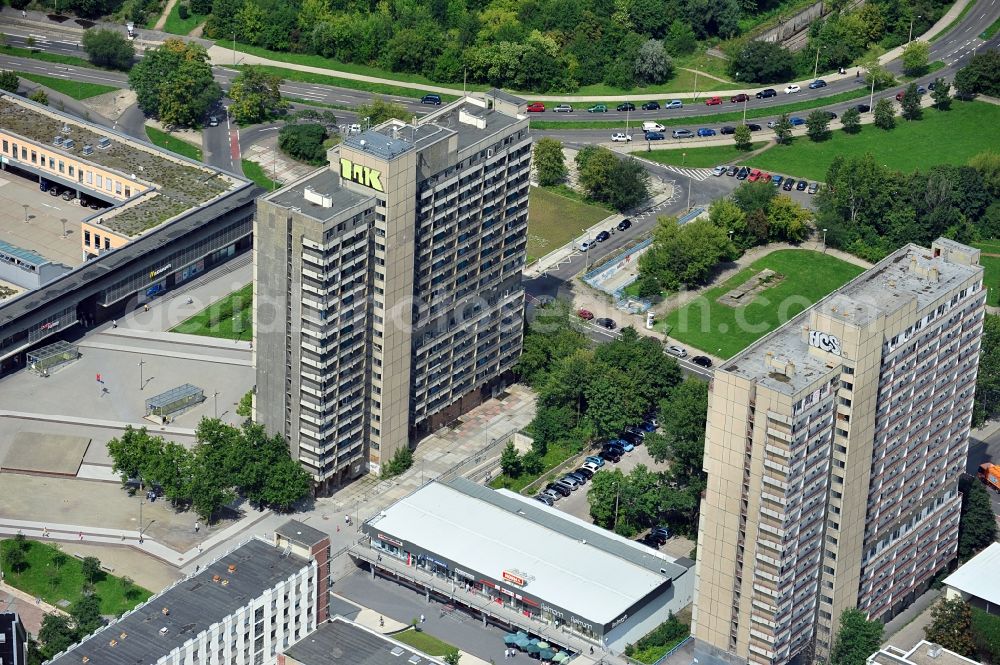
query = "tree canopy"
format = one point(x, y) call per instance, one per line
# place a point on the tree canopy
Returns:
point(978, 527)
point(304, 141)
point(549, 161)
point(622, 183)
point(174, 83)
point(857, 639)
point(255, 96)
point(682, 255)
point(951, 626)
point(108, 48)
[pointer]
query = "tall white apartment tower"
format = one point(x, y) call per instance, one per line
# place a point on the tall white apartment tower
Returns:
point(833, 451)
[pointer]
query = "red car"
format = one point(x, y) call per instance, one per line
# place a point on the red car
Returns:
point(765, 177)
point(740, 98)
point(754, 175)
point(536, 107)
point(585, 314)
point(713, 101)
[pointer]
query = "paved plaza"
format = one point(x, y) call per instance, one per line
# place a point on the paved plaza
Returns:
point(43, 230)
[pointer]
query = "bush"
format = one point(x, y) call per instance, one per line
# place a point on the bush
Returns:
point(664, 637)
point(986, 636)
point(183, 11)
point(201, 7)
point(400, 462)
point(304, 142)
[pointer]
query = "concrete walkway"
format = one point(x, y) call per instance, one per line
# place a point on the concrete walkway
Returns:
point(907, 629)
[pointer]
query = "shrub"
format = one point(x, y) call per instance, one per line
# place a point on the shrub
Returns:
point(183, 11)
point(304, 142)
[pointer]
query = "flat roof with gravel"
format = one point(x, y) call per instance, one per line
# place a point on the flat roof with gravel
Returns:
point(343, 642)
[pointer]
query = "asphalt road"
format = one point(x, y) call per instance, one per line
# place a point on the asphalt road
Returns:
point(985, 447)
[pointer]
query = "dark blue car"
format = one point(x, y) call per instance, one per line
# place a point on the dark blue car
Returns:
point(654, 136)
point(706, 132)
point(796, 121)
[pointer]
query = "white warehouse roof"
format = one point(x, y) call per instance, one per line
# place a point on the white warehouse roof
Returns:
point(567, 562)
point(980, 576)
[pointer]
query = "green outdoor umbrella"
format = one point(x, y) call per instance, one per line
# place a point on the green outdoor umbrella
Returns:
point(510, 638)
point(532, 647)
point(522, 642)
point(542, 644)
point(546, 654)
point(560, 657)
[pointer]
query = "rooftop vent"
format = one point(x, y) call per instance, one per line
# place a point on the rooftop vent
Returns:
point(113, 643)
point(88, 150)
point(164, 630)
point(934, 650)
point(86, 659)
point(103, 143)
point(398, 651)
point(69, 143)
point(165, 611)
point(323, 200)
point(123, 635)
point(65, 128)
point(414, 659)
point(58, 140)
point(216, 578)
point(232, 568)
point(224, 582)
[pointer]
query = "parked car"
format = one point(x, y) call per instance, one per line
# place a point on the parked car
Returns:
point(765, 93)
point(213, 121)
point(813, 188)
point(899, 95)
point(682, 134)
point(572, 487)
point(651, 106)
point(921, 90)
point(633, 438)
point(801, 185)
point(624, 225)
point(792, 88)
point(661, 532)
point(753, 127)
point(754, 175)
point(68, 195)
point(648, 542)
point(673, 104)
point(649, 425)
point(732, 170)
point(740, 98)
point(742, 173)
point(675, 350)
point(602, 236)
point(544, 498)
point(53, 190)
point(551, 494)
point(625, 106)
point(720, 170)
point(586, 472)
point(585, 314)
point(713, 101)
point(863, 108)
point(612, 455)
point(612, 448)
point(765, 176)
point(777, 180)
point(705, 131)
point(595, 460)
point(563, 108)
point(621, 137)
point(536, 107)
point(655, 136)
point(728, 129)
point(703, 361)
point(624, 444)
point(788, 184)
point(578, 477)
point(818, 83)
point(431, 99)
point(606, 323)
point(830, 115)
point(796, 121)
point(771, 124)
point(561, 490)
point(93, 205)
point(598, 108)
point(571, 481)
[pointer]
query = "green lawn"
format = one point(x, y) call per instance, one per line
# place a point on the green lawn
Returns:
point(699, 157)
point(74, 89)
point(173, 144)
point(692, 122)
point(323, 79)
point(682, 81)
point(942, 137)
point(35, 54)
point(254, 171)
point(554, 220)
point(555, 454)
point(991, 265)
point(710, 326)
point(55, 576)
point(988, 33)
point(429, 644)
point(176, 25)
point(230, 317)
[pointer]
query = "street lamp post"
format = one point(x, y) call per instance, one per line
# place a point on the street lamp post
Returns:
point(25, 206)
point(871, 100)
point(816, 65)
point(234, 48)
point(824, 240)
point(141, 363)
point(215, 397)
point(910, 37)
point(745, 110)
point(64, 220)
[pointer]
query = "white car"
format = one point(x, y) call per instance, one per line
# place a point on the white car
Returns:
point(792, 88)
point(720, 170)
point(354, 129)
point(621, 137)
point(592, 467)
point(675, 350)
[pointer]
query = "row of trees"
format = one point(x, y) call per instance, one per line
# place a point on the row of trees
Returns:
point(225, 463)
point(174, 83)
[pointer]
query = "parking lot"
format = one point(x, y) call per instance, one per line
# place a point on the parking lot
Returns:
point(42, 231)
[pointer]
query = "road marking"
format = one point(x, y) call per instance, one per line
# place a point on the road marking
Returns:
point(696, 174)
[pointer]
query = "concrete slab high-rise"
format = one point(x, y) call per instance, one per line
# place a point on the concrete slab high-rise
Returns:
point(833, 451)
point(388, 296)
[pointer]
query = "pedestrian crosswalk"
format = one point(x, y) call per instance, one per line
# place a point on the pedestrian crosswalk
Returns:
point(694, 174)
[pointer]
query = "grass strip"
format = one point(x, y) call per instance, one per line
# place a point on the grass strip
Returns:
point(700, 157)
point(710, 119)
point(429, 644)
point(54, 576)
point(173, 144)
point(957, 20)
point(988, 33)
point(35, 54)
point(176, 25)
point(364, 86)
point(68, 87)
point(230, 317)
point(255, 172)
point(555, 219)
point(310, 102)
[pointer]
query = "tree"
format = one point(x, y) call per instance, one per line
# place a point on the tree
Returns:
point(183, 11)
point(201, 7)
point(132, 451)
point(380, 109)
point(818, 126)
point(875, 71)
point(91, 568)
point(56, 635)
point(621, 183)
point(980, 76)
point(787, 220)
point(612, 402)
point(978, 527)
point(245, 408)
point(286, 484)
point(652, 64)
point(16, 559)
point(401, 460)
point(680, 39)
point(510, 461)
point(304, 142)
point(916, 56)
point(941, 94)
point(885, 114)
point(683, 255)
point(9, 81)
point(108, 48)
point(86, 613)
point(783, 130)
point(743, 138)
point(851, 120)
point(951, 626)
point(452, 657)
point(256, 96)
point(174, 83)
point(753, 196)
point(550, 162)
point(40, 96)
point(911, 103)
point(857, 639)
point(762, 62)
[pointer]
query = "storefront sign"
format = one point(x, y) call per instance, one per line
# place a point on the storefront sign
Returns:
point(514, 578)
point(49, 325)
point(459, 571)
point(553, 611)
point(361, 174)
point(824, 342)
point(506, 591)
point(159, 271)
point(391, 541)
point(620, 620)
point(582, 624)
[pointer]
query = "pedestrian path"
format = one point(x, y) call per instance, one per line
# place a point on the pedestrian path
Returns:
point(92, 422)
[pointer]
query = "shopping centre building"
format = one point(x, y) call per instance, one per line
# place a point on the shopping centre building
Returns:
point(547, 567)
point(134, 221)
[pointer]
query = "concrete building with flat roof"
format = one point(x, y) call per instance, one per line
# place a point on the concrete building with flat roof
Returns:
point(13, 640)
point(536, 560)
point(977, 581)
point(241, 609)
point(343, 642)
point(388, 296)
point(924, 653)
point(833, 451)
point(154, 221)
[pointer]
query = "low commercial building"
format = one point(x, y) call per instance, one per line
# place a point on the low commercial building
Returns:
point(547, 566)
point(343, 642)
point(243, 608)
point(924, 653)
point(978, 581)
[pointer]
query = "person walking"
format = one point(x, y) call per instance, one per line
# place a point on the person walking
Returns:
point(24, 14)
point(196, 527)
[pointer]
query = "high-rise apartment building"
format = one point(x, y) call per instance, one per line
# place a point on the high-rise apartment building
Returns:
point(833, 451)
point(388, 296)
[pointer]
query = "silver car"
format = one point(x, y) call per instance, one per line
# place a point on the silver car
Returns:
point(720, 170)
point(675, 350)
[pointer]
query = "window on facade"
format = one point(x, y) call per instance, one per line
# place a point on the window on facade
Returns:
point(86, 238)
point(107, 242)
point(24, 153)
point(118, 187)
point(34, 157)
point(6, 146)
point(62, 167)
point(90, 177)
point(72, 171)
